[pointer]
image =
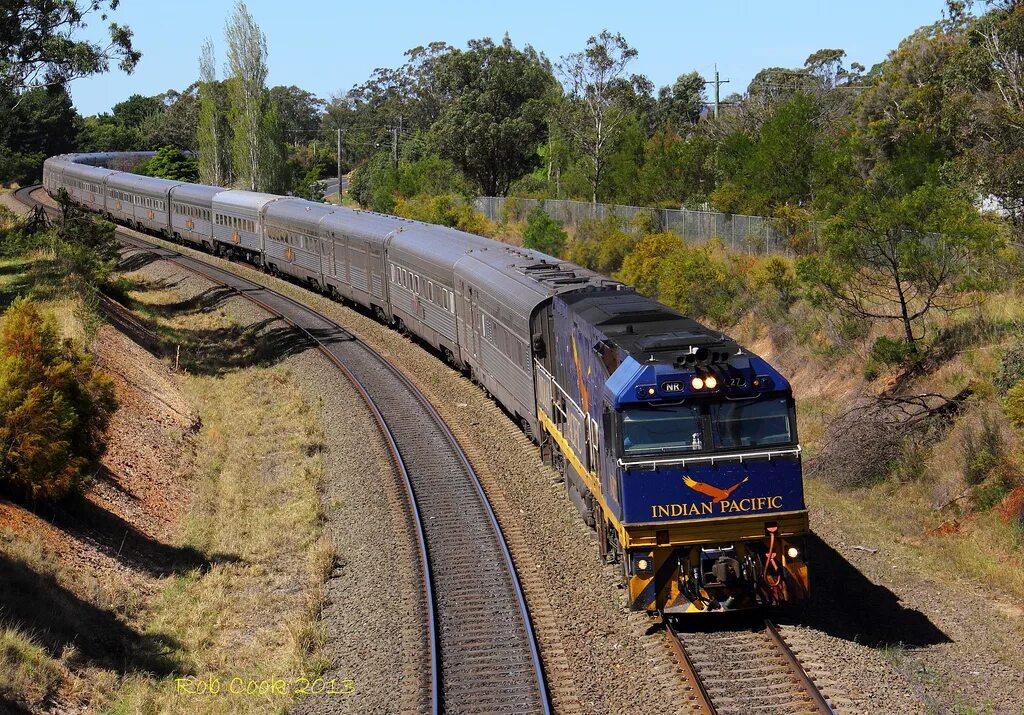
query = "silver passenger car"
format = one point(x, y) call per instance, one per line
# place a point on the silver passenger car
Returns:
point(421, 281)
point(237, 217)
point(293, 240)
point(354, 260)
point(86, 185)
point(192, 213)
point(140, 201)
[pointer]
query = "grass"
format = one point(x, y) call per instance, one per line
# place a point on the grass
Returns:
point(30, 675)
point(255, 613)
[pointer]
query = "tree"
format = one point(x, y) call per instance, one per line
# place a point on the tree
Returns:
point(211, 123)
point(137, 110)
point(680, 105)
point(299, 111)
point(170, 163)
point(54, 406)
point(38, 45)
point(40, 124)
point(256, 152)
point(495, 115)
point(593, 113)
point(893, 255)
point(543, 233)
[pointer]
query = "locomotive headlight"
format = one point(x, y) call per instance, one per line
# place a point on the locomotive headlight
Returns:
point(792, 552)
point(711, 382)
point(642, 565)
point(697, 383)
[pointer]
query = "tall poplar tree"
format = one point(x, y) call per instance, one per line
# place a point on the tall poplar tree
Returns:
point(211, 131)
point(256, 154)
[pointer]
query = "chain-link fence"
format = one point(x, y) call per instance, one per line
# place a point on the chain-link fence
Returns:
point(753, 234)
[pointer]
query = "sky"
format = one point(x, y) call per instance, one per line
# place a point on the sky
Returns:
point(327, 47)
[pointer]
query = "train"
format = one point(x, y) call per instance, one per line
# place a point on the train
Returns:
point(678, 446)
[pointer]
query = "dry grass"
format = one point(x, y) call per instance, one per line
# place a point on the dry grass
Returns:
point(30, 676)
point(255, 613)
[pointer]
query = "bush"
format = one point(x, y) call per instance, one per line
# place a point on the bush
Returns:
point(1011, 367)
point(701, 281)
point(444, 210)
point(1013, 405)
point(774, 284)
point(602, 245)
point(55, 406)
point(543, 233)
point(887, 351)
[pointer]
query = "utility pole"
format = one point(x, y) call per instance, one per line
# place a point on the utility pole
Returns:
point(339, 164)
point(718, 83)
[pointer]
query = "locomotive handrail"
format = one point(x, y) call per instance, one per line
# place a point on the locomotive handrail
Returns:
point(712, 458)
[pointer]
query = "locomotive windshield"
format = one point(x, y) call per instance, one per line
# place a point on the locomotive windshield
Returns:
point(758, 423)
point(727, 425)
point(662, 429)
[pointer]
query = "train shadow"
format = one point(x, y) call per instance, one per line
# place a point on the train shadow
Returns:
point(847, 604)
point(58, 619)
point(135, 260)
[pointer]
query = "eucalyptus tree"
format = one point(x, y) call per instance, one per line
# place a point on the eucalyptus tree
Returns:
point(593, 112)
point(211, 124)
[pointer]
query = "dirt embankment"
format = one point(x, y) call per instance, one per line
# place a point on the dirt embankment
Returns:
point(73, 574)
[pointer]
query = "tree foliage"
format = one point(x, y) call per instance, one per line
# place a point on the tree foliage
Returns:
point(543, 233)
point(54, 406)
point(497, 113)
point(594, 111)
point(38, 45)
point(892, 255)
point(170, 163)
point(256, 154)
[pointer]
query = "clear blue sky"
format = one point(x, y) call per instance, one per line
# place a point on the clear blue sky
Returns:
point(328, 47)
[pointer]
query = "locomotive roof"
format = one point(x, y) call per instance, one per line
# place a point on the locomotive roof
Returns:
point(642, 327)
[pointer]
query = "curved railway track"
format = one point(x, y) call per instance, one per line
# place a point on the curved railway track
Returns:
point(736, 671)
point(482, 654)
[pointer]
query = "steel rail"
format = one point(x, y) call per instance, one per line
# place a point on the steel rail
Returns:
point(250, 290)
point(798, 669)
point(699, 693)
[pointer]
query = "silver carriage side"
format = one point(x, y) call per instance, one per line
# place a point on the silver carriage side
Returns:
point(293, 244)
point(421, 281)
point(86, 185)
point(355, 267)
point(192, 213)
point(140, 201)
point(237, 222)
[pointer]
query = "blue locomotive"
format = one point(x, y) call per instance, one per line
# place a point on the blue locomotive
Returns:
point(678, 446)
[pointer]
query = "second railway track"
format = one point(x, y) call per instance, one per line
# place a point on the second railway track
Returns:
point(738, 671)
point(483, 654)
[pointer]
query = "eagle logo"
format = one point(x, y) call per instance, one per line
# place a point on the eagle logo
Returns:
point(714, 492)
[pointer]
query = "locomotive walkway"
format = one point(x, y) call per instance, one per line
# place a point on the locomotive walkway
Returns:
point(481, 655)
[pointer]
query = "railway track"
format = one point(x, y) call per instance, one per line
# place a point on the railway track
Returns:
point(482, 654)
point(737, 671)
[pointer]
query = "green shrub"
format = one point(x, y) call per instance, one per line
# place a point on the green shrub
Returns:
point(54, 406)
point(1013, 405)
point(543, 233)
point(1011, 367)
point(602, 244)
point(887, 351)
point(444, 210)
